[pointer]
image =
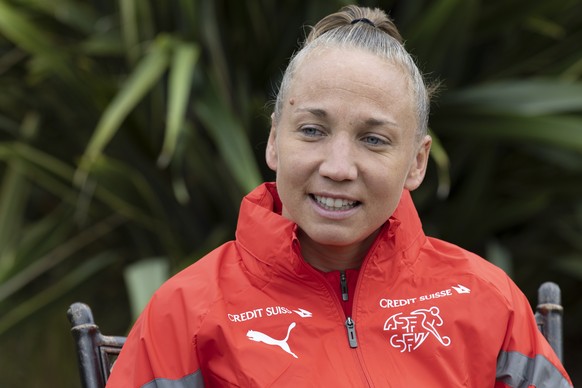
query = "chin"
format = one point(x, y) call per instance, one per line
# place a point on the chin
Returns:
point(335, 240)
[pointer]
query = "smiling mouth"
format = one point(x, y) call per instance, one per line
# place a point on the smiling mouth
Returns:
point(334, 204)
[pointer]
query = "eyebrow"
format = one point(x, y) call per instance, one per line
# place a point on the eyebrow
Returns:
point(370, 122)
point(314, 111)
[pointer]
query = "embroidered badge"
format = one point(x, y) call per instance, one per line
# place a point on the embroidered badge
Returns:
point(412, 330)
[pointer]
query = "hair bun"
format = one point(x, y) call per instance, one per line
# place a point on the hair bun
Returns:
point(363, 20)
point(352, 15)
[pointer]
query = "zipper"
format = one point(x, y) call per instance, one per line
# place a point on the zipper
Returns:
point(344, 286)
point(350, 324)
point(351, 328)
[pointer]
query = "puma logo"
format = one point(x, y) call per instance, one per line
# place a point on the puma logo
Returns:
point(257, 336)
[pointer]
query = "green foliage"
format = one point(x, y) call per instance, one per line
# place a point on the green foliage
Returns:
point(143, 278)
point(131, 130)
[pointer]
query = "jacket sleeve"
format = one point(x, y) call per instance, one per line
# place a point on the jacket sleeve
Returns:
point(526, 359)
point(160, 350)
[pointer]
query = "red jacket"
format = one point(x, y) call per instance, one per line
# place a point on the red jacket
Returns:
point(253, 313)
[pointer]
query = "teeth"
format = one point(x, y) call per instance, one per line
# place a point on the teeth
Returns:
point(334, 203)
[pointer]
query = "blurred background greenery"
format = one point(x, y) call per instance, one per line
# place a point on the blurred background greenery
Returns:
point(130, 130)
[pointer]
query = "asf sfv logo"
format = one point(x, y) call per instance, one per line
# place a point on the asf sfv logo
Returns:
point(412, 330)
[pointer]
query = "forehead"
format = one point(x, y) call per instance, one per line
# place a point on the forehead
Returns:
point(354, 76)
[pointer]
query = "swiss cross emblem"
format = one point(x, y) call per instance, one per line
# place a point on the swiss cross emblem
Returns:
point(410, 331)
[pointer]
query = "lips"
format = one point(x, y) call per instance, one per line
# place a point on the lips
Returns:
point(334, 204)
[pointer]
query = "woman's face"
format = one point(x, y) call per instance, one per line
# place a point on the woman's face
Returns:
point(344, 147)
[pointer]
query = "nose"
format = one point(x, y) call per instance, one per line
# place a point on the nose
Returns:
point(339, 162)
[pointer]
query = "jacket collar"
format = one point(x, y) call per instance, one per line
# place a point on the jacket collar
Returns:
point(271, 239)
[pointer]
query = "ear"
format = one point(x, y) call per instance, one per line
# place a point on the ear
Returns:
point(271, 152)
point(419, 164)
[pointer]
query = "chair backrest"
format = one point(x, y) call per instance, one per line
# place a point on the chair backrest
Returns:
point(96, 352)
point(549, 313)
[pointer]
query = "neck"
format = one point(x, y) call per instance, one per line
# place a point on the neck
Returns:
point(329, 258)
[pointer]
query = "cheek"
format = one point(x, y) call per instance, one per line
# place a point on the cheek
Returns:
point(293, 162)
point(290, 177)
point(386, 198)
point(287, 169)
point(385, 186)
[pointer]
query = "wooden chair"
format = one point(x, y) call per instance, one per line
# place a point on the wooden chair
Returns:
point(548, 314)
point(96, 352)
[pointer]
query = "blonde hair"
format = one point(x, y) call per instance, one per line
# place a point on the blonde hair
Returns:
point(367, 29)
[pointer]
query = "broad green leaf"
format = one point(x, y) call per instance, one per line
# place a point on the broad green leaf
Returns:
point(574, 71)
point(188, 10)
point(26, 34)
point(125, 191)
point(39, 237)
point(68, 282)
point(546, 27)
point(557, 131)
point(148, 72)
point(452, 22)
point(132, 197)
point(78, 15)
point(102, 44)
point(180, 84)
point(18, 28)
point(143, 278)
point(44, 170)
point(441, 159)
point(527, 97)
point(37, 157)
point(129, 27)
point(501, 15)
point(210, 31)
point(183, 152)
point(199, 155)
point(230, 138)
point(60, 253)
point(434, 20)
point(13, 199)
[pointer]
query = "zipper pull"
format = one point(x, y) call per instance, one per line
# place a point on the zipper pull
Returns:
point(351, 327)
point(344, 286)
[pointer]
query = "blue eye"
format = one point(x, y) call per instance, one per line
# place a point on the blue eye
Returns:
point(373, 140)
point(311, 131)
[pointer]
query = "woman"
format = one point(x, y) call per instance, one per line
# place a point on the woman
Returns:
point(331, 280)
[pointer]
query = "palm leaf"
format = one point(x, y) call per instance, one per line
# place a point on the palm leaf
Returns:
point(17, 27)
point(147, 73)
point(557, 131)
point(227, 132)
point(71, 280)
point(529, 97)
point(181, 73)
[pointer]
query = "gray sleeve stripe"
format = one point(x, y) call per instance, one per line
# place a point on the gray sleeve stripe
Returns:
point(517, 370)
point(193, 380)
